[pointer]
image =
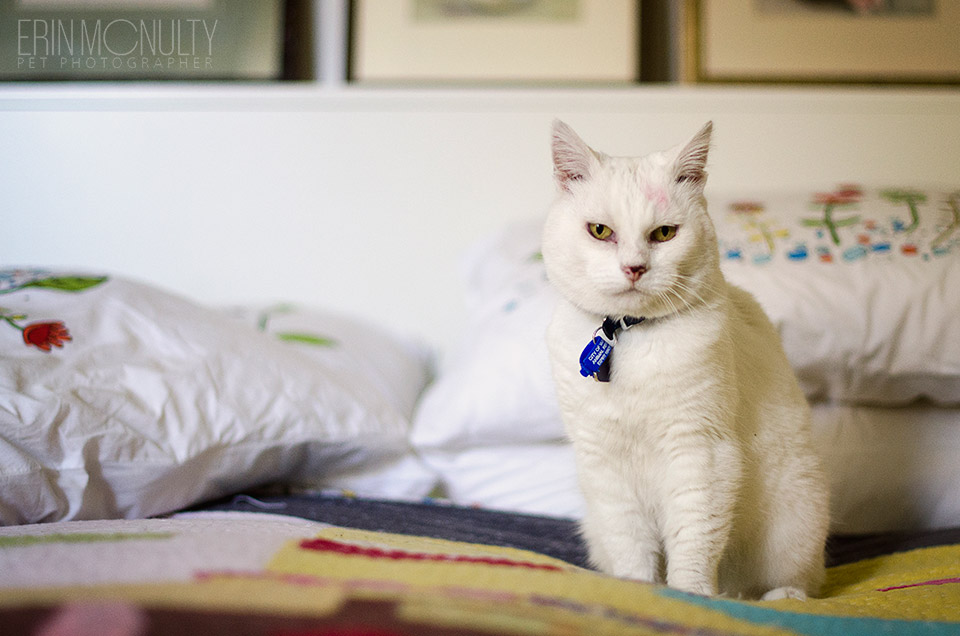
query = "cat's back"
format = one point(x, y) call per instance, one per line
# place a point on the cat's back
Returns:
point(758, 346)
point(748, 312)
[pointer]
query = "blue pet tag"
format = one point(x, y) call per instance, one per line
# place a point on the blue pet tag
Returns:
point(595, 359)
point(594, 355)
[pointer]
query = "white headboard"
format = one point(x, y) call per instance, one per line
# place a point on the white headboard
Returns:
point(363, 200)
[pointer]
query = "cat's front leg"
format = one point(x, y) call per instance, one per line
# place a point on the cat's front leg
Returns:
point(701, 488)
point(622, 541)
point(619, 528)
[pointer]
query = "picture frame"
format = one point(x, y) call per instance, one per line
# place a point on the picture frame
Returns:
point(818, 41)
point(510, 41)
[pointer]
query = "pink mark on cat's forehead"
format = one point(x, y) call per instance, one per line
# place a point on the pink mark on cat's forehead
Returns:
point(656, 195)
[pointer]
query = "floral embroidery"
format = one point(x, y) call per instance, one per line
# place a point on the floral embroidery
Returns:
point(844, 196)
point(746, 207)
point(44, 334)
point(912, 198)
point(854, 225)
point(953, 207)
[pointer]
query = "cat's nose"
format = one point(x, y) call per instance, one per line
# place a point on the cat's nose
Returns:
point(633, 272)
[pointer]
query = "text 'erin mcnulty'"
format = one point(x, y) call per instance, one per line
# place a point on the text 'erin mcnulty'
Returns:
point(81, 44)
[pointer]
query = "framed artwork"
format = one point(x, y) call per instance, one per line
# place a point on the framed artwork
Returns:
point(402, 41)
point(866, 41)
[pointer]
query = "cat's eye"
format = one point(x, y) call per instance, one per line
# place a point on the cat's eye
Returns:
point(663, 233)
point(600, 231)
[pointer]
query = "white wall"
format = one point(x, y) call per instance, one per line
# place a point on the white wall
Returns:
point(363, 200)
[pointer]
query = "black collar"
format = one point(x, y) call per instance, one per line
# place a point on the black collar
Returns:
point(612, 326)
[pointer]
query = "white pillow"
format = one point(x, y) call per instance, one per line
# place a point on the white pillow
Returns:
point(538, 479)
point(496, 387)
point(867, 309)
point(156, 402)
point(382, 362)
point(890, 468)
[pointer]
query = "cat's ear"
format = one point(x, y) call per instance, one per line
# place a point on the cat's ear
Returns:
point(573, 160)
point(691, 163)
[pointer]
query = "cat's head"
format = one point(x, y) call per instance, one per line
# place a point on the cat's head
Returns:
point(630, 236)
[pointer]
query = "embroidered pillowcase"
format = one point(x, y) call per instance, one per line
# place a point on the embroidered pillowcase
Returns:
point(860, 283)
point(120, 400)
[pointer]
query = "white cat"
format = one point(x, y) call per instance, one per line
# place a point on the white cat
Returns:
point(694, 456)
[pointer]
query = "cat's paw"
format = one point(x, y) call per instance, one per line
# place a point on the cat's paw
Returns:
point(781, 593)
point(700, 587)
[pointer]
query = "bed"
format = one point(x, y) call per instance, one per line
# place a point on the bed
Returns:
point(174, 464)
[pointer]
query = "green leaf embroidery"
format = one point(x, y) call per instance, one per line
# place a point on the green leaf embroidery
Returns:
point(910, 197)
point(67, 283)
point(953, 201)
point(306, 338)
point(267, 314)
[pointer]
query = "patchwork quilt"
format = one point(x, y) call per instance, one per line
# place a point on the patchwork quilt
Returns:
point(265, 574)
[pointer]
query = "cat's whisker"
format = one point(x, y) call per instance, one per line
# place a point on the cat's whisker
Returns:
point(689, 290)
point(664, 296)
point(706, 285)
point(686, 303)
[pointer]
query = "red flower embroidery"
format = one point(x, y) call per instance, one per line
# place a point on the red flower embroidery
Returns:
point(45, 335)
point(850, 190)
point(746, 207)
point(835, 198)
